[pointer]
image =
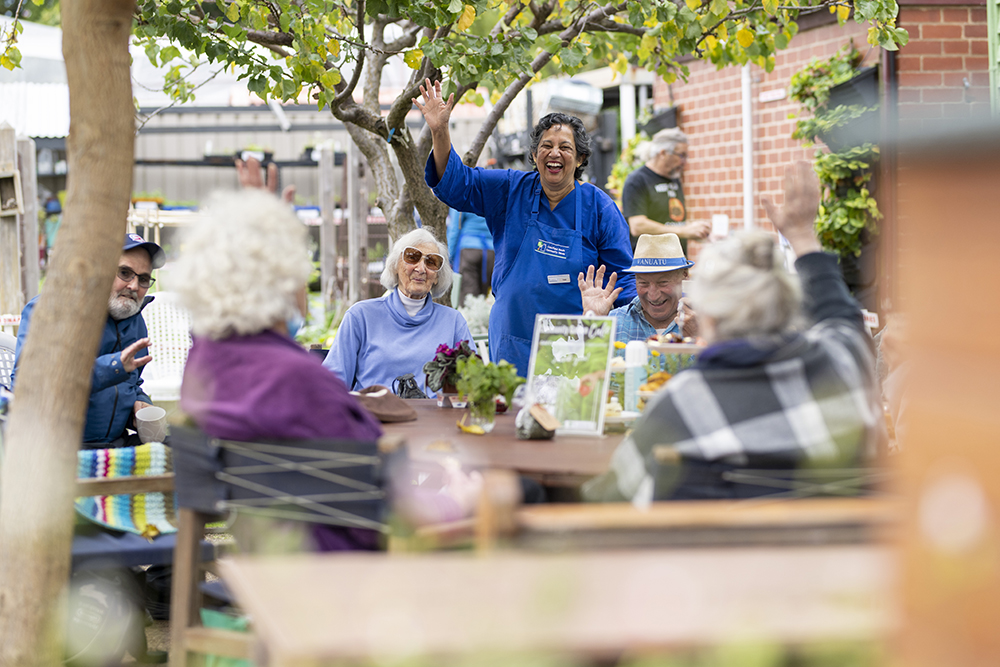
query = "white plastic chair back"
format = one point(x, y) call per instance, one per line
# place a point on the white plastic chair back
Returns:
point(169, 328)
point(7, 345)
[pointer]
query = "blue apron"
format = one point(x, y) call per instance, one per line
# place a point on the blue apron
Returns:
point(541, 279)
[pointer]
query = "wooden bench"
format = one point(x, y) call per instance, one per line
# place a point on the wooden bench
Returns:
point(802, 521)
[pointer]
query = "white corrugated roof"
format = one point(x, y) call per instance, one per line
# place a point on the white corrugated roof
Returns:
point(36, 109)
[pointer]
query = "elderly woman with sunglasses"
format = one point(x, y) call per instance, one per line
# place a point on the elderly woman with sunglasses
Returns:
point(382, 339)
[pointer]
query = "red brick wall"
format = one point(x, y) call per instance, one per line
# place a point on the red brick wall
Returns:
point(944, 70)
point(947, 47)
point(711, 115)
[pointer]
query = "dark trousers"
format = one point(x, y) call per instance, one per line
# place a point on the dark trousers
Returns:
point(475, 277)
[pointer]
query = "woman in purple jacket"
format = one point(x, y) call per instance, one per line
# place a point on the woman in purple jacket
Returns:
point(243, 276)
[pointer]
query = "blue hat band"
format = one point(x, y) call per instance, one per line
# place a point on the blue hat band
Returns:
point(673, 262)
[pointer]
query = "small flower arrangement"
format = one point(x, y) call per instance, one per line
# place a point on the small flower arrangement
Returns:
point(442, 370)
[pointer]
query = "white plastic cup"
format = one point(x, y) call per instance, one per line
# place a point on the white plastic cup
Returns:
point(151, 424)
point(636, 355)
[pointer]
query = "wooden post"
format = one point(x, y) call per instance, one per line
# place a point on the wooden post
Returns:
point(11, 300)
point(357, 226)
point(28, 225)
point(328, 229)
point(950, 582)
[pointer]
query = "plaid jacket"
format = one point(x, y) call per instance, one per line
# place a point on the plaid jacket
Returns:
point(807, 397)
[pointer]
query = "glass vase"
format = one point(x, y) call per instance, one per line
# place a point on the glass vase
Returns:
point(482, 414)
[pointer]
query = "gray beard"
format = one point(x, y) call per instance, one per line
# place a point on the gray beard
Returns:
point(122, 308)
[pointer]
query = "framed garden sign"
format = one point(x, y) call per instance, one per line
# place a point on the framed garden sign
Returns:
point(568, 369)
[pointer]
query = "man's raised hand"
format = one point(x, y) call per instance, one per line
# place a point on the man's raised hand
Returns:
point(594, 297)
point(129, 362)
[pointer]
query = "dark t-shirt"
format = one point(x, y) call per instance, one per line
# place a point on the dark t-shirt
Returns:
point(654, 196)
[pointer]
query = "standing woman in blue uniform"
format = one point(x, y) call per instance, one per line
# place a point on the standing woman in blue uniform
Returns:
point(546, 226)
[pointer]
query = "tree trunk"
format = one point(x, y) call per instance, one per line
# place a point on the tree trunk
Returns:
point(53, 381)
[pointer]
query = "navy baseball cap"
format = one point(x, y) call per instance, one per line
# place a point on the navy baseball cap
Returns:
point(156, 254)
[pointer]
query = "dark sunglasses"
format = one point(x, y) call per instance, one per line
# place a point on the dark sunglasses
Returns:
point(126, 274)
point(432, 260)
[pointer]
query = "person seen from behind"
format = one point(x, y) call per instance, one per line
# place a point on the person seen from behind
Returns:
point(242, 276)
point(787, 380)
point(470, 246)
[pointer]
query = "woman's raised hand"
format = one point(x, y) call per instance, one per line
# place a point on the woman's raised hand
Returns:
point(795, 220)
point(436, 110)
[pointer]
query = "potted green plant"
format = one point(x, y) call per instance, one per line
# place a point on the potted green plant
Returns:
point(480, 384)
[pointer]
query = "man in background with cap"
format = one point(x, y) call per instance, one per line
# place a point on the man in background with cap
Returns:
point(115, 386)
point(660, 268)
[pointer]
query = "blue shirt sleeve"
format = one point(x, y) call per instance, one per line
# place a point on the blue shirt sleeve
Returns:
point(342, 358)
point(480, 191)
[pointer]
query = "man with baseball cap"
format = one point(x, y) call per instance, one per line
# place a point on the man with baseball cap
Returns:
point(115, 389)
point(660, 267)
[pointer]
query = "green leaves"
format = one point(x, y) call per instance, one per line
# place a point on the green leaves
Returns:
point(847, 207)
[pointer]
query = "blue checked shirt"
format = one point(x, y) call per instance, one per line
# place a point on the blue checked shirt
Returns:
point(632, 325)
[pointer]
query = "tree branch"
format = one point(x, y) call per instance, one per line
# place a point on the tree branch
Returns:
point(507, 19)
point(347, 91)
point(541, 60)
point(269, 38)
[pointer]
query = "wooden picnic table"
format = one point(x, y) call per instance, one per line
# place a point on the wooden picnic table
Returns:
point(566, 460)
point(310, 609)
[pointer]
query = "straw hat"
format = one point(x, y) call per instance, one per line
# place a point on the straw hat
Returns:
point(655, 253)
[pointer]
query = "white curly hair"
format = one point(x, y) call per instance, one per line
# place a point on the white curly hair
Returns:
point(390, 274)
point(242, 265)
point(742, 284)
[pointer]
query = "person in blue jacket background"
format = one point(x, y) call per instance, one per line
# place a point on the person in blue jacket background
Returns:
point(470, 246)
point(546, 225)
point(115, 385)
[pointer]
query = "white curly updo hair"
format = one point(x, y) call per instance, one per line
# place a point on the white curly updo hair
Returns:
point(242, 264)
point(742, 284)
point(390, 274)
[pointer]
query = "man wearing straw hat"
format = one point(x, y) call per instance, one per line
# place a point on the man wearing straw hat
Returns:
point(660, 267)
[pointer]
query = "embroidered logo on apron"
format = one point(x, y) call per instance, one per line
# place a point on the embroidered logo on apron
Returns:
point(551, 249)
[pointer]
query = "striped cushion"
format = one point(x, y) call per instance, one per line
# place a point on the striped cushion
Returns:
point(146, 514)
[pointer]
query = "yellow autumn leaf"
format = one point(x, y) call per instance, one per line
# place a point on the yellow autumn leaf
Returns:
point(770, 6)
point(873, 36)
point(233, 12)
point(744, 37)
point(843, 13)
point(466, 19)
point(333, 48)
point(693, 4)
point(413, 58)
point(330, 78)
point(620, 64)
point(710, 41)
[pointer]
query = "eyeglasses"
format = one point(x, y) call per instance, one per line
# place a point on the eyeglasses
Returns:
point(126, 275)
point(682, 156)
point(432, 260)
